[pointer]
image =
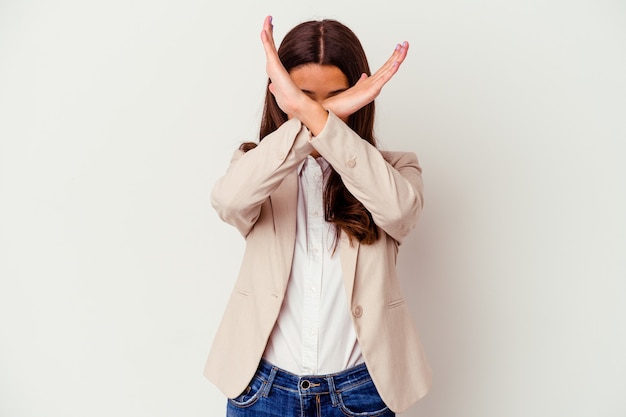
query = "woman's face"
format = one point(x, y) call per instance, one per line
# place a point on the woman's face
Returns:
point(319, 82)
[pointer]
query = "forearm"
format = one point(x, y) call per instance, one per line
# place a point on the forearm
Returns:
point(390, 190)
point(253, 176)
point(311, 114)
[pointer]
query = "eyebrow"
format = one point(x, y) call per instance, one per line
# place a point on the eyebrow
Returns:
point(341, 90)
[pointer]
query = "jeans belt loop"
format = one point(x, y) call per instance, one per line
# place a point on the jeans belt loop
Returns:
point(270, 382)
point(333, 392)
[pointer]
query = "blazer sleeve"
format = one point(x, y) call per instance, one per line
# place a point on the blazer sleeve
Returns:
point(390, 186)
point(252, 176)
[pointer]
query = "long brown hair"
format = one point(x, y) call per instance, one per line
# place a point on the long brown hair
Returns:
point(328, 42)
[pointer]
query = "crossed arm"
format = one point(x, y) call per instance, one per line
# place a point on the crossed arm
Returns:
point(389, 189)
point(311, 113)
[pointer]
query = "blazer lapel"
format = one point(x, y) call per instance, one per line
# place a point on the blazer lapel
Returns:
point(284, 202)
point(349, 253)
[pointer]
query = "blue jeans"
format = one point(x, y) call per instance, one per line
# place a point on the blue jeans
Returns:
point(274, 392)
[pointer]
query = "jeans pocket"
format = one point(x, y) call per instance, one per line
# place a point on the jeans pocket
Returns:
point(363, 400)
point(250, 395)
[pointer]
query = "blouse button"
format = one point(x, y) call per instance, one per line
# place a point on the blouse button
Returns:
point(280, 155)
point(351, 163)
point(358, 311)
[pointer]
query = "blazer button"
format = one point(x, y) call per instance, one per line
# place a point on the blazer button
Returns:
point(351, 163)
point(357, 311)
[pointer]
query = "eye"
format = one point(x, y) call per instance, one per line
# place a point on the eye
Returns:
point(336, 92)
point(308, 93)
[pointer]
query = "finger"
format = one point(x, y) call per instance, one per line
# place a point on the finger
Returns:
point(390, 62)
point(267, 37)
point(397, 53)
point(268, 26)
point(400, 57)
point(392, 65)
point(362, 78)
point(402, 52)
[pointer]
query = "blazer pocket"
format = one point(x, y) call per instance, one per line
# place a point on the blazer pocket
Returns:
point(396, 303)
point(241, 292)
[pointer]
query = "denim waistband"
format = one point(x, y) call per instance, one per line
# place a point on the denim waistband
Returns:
point(312, 384)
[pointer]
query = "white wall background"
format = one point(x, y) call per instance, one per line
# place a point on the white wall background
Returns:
point(116, 118)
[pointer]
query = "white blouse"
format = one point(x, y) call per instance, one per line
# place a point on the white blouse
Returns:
point(314, 334)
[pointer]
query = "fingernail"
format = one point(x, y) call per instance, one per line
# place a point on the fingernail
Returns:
point(397, 46)
point(404, 43)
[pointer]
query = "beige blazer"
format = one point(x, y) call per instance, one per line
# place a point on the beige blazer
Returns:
point(258, 195)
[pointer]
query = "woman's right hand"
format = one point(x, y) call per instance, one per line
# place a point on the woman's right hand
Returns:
point(289, 97)
point(367, 88)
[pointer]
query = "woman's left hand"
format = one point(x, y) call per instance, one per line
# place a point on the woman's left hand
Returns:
point(367, 88)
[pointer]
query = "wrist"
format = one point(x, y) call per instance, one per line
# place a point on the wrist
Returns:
point(312, 115)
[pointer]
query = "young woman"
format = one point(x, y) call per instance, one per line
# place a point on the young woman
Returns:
point(316, 324)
